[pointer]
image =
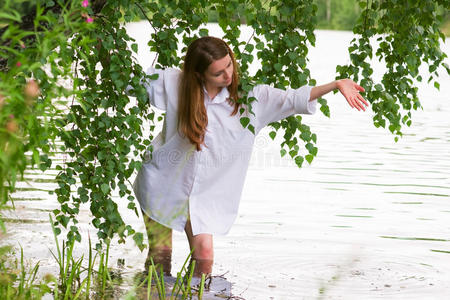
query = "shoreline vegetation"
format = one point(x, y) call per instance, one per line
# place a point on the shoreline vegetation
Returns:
point(89, 277)
point(340, 15)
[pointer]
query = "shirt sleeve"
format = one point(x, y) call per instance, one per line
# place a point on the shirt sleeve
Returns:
point(273, 104)
point(155, 88)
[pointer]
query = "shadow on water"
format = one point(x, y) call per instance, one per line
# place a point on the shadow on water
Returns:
point(23, 221)
point(414, 239)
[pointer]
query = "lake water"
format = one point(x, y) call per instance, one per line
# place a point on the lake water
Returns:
point(369, 219)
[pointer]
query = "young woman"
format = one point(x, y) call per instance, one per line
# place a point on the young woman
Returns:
point(193, 179)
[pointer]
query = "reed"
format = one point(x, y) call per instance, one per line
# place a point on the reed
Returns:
point(16, 281)
point(70, 270)
point(76, 281)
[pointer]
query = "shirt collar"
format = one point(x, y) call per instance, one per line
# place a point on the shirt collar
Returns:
point(220, 97)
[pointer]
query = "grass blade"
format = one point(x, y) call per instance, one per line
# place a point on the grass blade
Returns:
point(201, 288)
point(90, 267)
point(149, 282)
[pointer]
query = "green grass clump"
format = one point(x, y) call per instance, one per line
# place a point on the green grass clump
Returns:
point(19, 282)
point(76, 280)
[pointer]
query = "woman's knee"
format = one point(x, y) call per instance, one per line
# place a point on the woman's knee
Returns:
point(203, 247)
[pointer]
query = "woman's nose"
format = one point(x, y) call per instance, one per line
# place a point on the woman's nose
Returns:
point(227, 75)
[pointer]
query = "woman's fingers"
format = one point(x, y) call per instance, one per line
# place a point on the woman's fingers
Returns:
point(358, 99)
point(353, 103)
point(359, 88)
point(357, 102)
point(360, 102)
point(351, 91)
point(361, 98)
point(360, 105)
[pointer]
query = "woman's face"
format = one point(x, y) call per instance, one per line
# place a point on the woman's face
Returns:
point(219, 73)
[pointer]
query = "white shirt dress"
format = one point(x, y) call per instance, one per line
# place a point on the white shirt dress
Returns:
point(177, 183)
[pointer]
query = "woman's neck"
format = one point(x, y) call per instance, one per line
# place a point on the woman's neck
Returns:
point(212, 91)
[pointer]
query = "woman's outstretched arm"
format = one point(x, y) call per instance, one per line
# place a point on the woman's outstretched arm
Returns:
point(348, 88)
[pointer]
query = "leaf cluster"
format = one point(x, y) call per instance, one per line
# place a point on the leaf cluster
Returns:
point(401, 34)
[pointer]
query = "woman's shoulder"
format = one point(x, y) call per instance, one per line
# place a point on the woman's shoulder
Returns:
point(165, 71)
point(259, 90)
point(165, 77)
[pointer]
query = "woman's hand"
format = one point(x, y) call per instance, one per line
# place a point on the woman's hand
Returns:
point(350, 90)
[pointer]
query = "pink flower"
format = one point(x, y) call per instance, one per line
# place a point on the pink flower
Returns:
point(89, 20)
point(18, 64)
point(85, 3)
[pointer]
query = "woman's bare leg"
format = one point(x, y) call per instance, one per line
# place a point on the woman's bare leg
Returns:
point(203, 251)
point(159, 245)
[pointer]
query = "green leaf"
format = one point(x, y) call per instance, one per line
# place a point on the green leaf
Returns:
point(309, 158)
point(437, 85)
point(203, 32)
point(105, 188)
point(15, 16)
point(278, 67)
point(251, 128)
point(272, 134)
point(379, 87)
point(299, 161)
point(293, 153)
point(244, 121)
point(139, 239)
point(57, 231)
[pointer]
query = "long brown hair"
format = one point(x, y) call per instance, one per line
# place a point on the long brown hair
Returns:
point(192, 117)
